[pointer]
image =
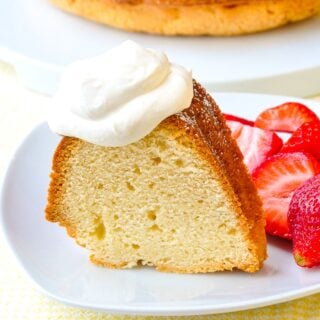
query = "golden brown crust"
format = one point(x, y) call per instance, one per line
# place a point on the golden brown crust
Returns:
point(173, 3)
point(192, 17)
point(205, 123)
point(210, 267)
point(210, 123)
point(60, 162)
point(205, 126)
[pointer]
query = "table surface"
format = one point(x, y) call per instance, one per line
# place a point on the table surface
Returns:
point(20, 110)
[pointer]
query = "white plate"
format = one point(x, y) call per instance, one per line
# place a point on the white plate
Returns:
point(40, 40)
point(62, 270)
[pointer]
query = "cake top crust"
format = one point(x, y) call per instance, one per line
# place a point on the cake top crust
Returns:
point(225, 3)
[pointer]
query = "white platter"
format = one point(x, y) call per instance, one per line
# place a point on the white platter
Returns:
point(61, 269)
point(39, 40)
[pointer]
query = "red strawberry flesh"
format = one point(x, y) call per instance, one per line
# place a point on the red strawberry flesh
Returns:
point(238, 119)
point(286, 117)
point(306, 138)
point(276, 179)
point(304, 223)
point(255, 144)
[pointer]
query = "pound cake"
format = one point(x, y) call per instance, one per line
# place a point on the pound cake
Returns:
point(179, 199)
point(193, 17)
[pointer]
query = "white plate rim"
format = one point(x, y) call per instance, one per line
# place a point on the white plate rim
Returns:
point(32, 69)
point(145, 311)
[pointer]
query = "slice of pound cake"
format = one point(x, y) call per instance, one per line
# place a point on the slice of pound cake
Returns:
point(179, 198)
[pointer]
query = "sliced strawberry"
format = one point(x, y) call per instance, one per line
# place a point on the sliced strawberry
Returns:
point(306, 138)
point(255, 144)
point(304, 223)
point(238, 119)
point(276, 180)
point(286, 117)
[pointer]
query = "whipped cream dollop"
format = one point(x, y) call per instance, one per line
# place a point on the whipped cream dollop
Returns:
point(119, 97)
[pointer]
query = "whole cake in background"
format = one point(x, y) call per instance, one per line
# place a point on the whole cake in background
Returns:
point(148, 173)
point(193, 17)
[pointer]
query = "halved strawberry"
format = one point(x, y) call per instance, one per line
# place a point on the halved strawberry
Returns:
point(276, 179)
point(286, 117)
point(306, 138)
point(232, 117)
point(304, 223)
point(255, 144)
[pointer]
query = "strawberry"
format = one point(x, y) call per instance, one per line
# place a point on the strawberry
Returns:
point(306, 138)
point(238, 119)
point(304, 223)
point(286, 117)
point(255, 144)
point(276, 179)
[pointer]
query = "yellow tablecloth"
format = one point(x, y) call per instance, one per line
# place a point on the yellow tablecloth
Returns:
point(19, 111)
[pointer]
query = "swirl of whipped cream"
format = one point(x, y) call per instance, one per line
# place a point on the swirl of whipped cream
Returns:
point(119, 97)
